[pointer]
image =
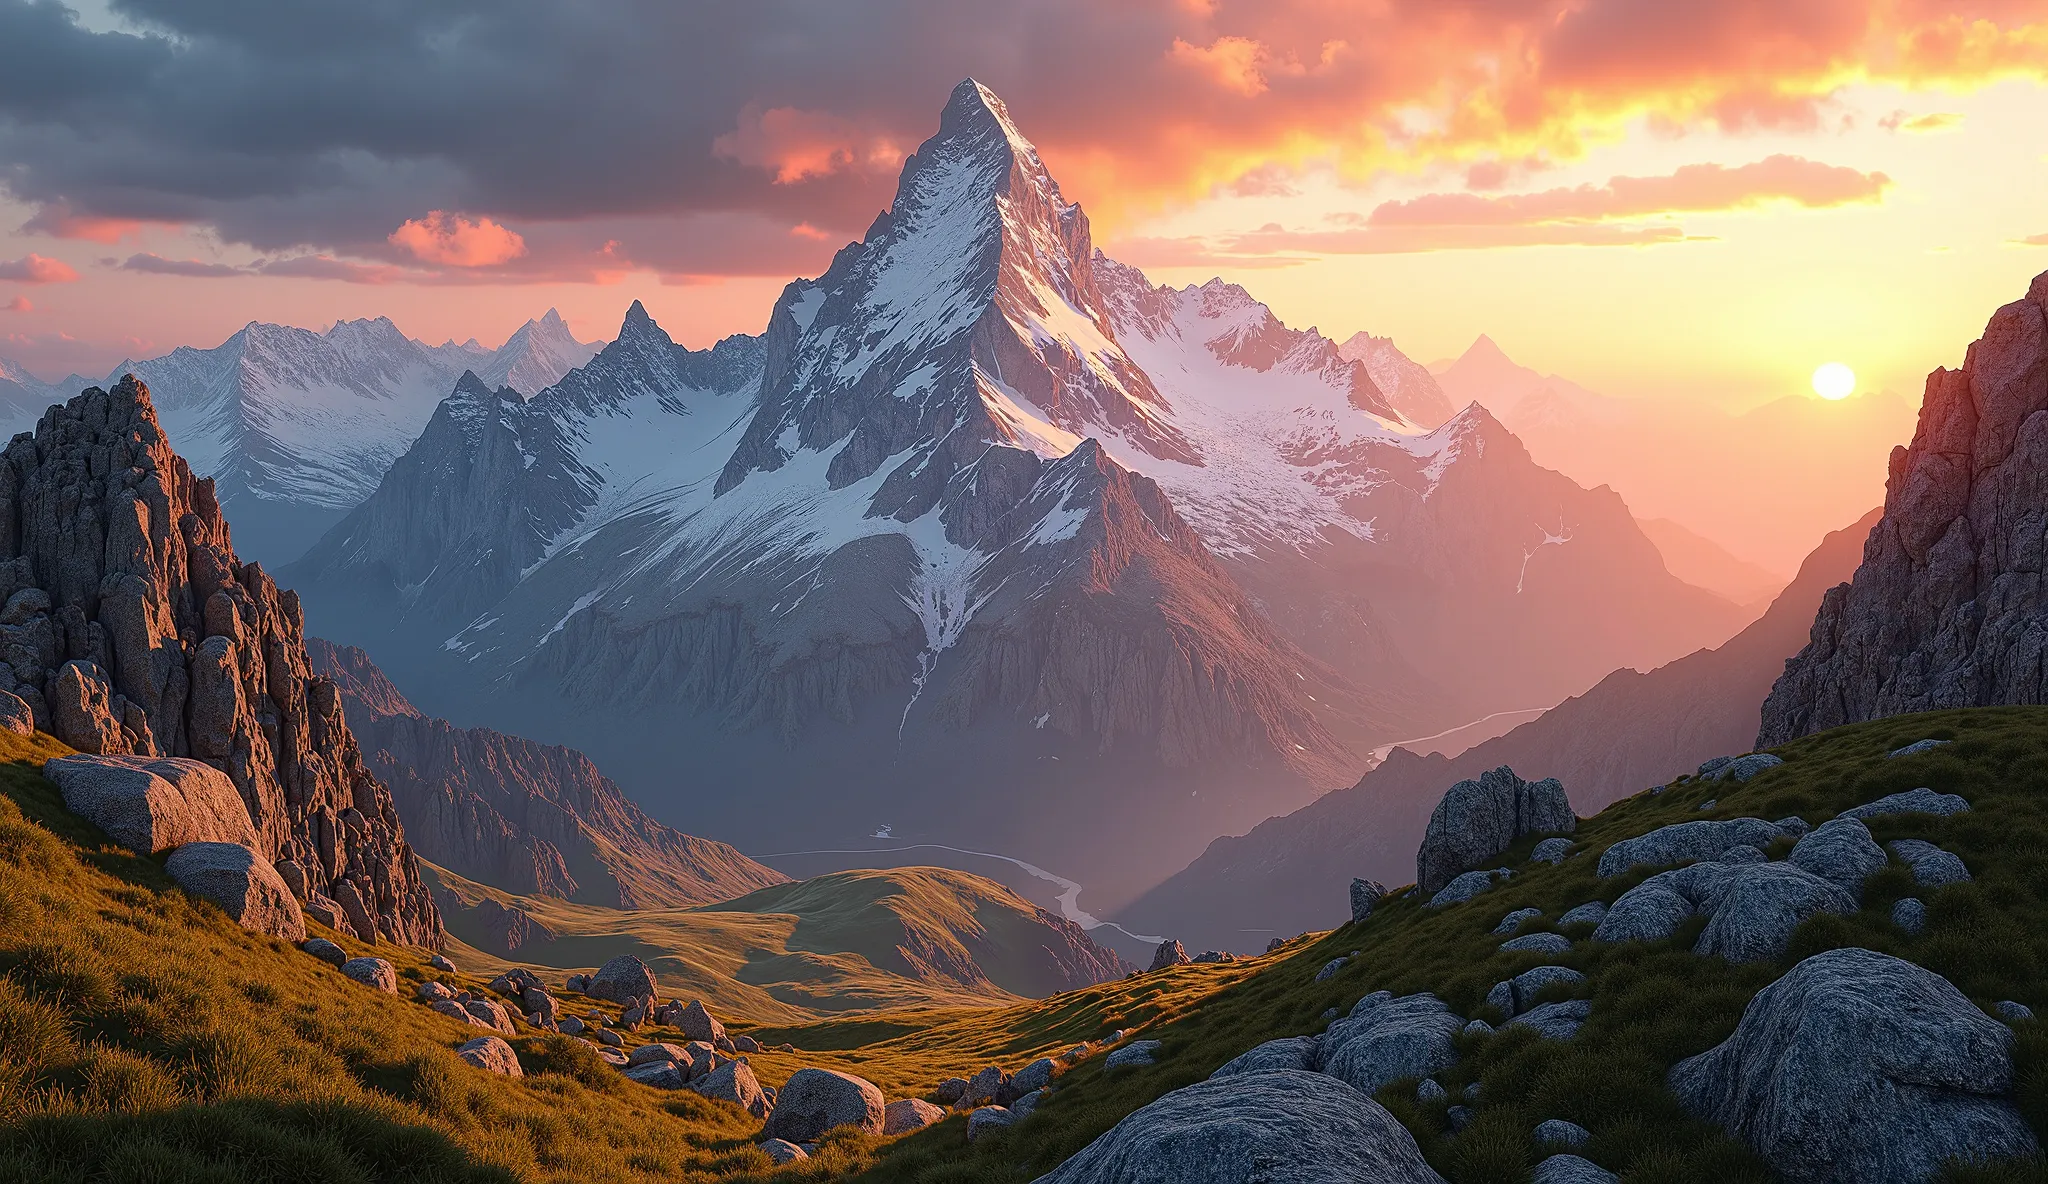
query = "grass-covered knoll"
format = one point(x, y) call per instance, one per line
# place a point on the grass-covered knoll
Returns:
point(1654, 1004)
point(145, 1037)
point(850, 941)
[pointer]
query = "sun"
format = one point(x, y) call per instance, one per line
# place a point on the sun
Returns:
point(1834, 381)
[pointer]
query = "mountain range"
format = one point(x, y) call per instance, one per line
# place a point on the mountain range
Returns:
point(296, 427)
point(1763, 482)
point(1633, 730)
point(983, 506)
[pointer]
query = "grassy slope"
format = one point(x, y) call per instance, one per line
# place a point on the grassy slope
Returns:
point(1653, 1003)
point(772, 959)
point(144, 1037)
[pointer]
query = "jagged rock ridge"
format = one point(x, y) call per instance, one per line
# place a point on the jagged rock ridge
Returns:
point(535, 819)
point(1948, 608)
point(131, 627)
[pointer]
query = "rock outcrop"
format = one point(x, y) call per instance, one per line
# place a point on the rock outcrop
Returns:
point(131, 628)
point(152, 804)
point(814, 1101)
point(1948, 608)
point(242, 884)
point(1280, 1126)
point(1858, 1066)
point(1478, 819)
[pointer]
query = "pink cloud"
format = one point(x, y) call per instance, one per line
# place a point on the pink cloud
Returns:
point(20, 304)
point(798, 145)
point(59, 220)
point(1693, 188)
point(37, 269)
point(458, 241)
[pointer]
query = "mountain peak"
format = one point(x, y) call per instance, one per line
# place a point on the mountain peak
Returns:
point(638, 326)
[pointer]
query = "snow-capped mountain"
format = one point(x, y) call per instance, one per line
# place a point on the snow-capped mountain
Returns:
point(981, 499)
point(298, 427)
point(1408, 384)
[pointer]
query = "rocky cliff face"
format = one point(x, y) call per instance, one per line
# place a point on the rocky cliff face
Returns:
point(1949, 608)
point(1631, 731)
point(535, 819)
point(131, 627)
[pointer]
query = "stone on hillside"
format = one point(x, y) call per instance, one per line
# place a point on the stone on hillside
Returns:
point(1551, 851)
point(1740, 854)
point(491, 1013)
point(1565, 1168)
point(1912, 801)
point(1562, 1133)
point(245, 887)
point(745, 1044)
point(1651, 911)
point(152, 804)
point(782, 1151)
point(658, 1074)
point(326, 951)
point(1793, 826)
point(1531, 982)
point(1555, 1021)
point(734, 1082)
point(1740, 768)
point(431, 992)
point(1465, 887)
point(1932, 866)
point(1502, 997)
point(1840, 850)
point(540, 1004)
point(1276, 942)
point(1430, 1091)
point(1331, 968)
point(569, 1025)
point(1277, 1127)
point(1365, 896)
point(1291, 1052)
point(1478, 1028)
point(1857, 1066)
point(1385, 1038)
point(608, 1037)
point(16, 715)
point(909, 1114)
point(1169, 953)
point(577, 983)
point(441, 963)
point(1207, 957)
point(492, 1055)
point(456, 1011)
point(623, 980)
point(1910, 915)
point(985, 1085)
point(1590, 913)
point(648, 1053)
point(1034, 1076)
point(1683, 841)
point(2010, 1009)
point(1537, 943)
point(1513, 921)
point(1021, 1108)
point(814, 1101)
point(1133, 1055)
point(951, 1090)
point(373, 972)
point(1917, 747)
point(697, 1023)
point(1759, 906)
point(1476, 820)
point(988, 1118)
point(1709, 804)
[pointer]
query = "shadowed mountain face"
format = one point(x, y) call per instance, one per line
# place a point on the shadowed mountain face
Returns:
point(533, 819)
point(1629, 732)
point(988, 535)
point(1947, 609)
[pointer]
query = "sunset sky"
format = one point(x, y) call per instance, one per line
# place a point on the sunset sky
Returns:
point(1698, 199)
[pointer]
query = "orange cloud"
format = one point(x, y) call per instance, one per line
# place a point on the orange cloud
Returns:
point(1691, 189)
point(58, 220)
point(2032, 240)
point(797, 145)
point(20, 304)
point(1233, 63)
point(458, 241)
point(1936, 121)
point(37, 269)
